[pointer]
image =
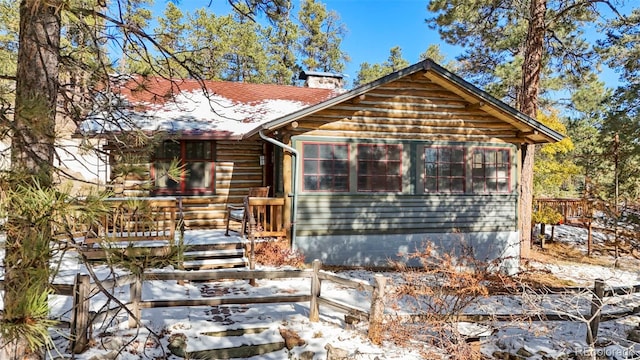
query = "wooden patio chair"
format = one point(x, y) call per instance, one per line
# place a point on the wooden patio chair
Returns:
point(241, 213)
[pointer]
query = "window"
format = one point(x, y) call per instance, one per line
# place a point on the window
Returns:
point(491, 170)
point(444, 170)
point(326, 167)
point(197, 161)
point(379, 168)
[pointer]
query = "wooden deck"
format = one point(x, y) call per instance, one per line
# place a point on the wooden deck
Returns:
point(573, 211)
point(152, 226)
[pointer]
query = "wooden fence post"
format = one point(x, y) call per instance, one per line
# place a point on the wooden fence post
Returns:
point(376, 314)
point(596, 306)
point(314, 306)
point(135, 293)
point(80, 314)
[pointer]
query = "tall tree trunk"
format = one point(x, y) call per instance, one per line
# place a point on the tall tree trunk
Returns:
point(33, 135)
point(528, 103)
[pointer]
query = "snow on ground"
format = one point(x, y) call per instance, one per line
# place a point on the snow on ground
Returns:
point(532, 340)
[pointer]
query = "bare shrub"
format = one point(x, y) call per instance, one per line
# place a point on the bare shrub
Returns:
point(429, 299)
point(278, 253)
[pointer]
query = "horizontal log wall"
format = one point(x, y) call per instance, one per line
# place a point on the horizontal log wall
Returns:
point(237, 169)
point(410, 108)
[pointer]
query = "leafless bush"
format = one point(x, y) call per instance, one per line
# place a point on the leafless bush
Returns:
point(429, 299)
point(278, 253)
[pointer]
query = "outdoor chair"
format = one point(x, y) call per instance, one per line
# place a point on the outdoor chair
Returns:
point(241, 213)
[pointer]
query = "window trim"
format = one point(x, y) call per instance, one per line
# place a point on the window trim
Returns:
point(509, 187)
point(437, 176)
point(397, 178)
point(303, 173)
point(182, 189)
point(412, 177)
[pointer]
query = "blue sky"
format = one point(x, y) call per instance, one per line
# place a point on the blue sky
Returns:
point(374, 27)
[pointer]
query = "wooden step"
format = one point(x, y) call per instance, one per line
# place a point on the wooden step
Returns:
point(226, 253)
point(216, 246)
point(204, 264)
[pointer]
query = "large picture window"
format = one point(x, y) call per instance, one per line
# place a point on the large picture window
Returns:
point(196, 159)
point(379, 168)
point(444, 170)
point(326, 167)
point(491, 170)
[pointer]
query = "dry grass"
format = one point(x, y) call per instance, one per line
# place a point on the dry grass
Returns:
point(539, 279)
point(557, 252)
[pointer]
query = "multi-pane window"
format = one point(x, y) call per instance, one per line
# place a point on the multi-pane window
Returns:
point(444, 169)
point(490, 170)
point(196, 161)
point(326, 167)
point(379, 167)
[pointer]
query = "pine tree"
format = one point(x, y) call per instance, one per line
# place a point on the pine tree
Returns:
point(135, 16)
point(245, 56)
point(171, 33)
point(394, 62)
point(621, 50)
point(321, 34)
point(281, 38)
point(31, 197)
point(26, 280)
point(8, 52)
point(538, 37)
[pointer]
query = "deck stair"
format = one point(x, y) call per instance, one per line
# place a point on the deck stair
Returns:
point(215, 256)
point(200, 255)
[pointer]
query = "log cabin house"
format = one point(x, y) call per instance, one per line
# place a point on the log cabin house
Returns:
point(366, 175)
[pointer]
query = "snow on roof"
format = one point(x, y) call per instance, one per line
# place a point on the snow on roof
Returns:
point(210, 108)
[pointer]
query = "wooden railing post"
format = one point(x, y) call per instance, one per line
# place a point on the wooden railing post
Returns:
point(376, 314)
point(80, 314)
point(596, 306)
point(314, 306)
point(135, 293)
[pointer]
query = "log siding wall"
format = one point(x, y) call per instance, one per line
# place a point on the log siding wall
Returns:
point(237, 169)
point(369, 228)
point(410, 108)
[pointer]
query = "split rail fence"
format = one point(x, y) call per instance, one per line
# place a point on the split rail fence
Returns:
point(83, 290)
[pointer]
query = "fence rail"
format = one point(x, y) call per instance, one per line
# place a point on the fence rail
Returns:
point(82, 318)
point(83, 290)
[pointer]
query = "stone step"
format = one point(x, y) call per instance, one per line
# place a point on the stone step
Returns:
point(254, 342)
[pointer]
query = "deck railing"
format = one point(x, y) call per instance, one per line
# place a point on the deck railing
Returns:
point(136, 219)
point(155, 218)
point(266, 217)
point(572, 210)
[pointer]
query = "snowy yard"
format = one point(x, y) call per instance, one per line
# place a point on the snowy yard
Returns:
point(200, 326)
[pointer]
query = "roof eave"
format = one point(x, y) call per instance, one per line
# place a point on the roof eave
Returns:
point(539, 129)
point(542, 133)
point(277, 123)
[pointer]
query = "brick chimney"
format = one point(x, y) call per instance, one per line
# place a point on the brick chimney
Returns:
point(322, 80)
